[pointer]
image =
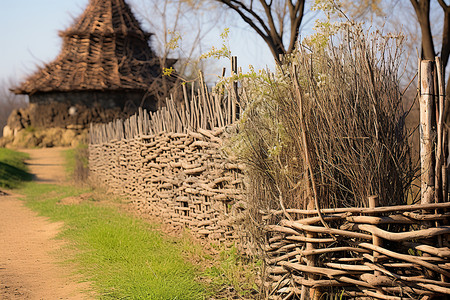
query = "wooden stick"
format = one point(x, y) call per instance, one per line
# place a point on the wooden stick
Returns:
point(282, 229)
point(335, 249)
point(394, 219)
point(317, 283)
point(287, 256)
point(235, 99)
point(357, 283)
point(441, 252)
point(422, 217)
point(299, 238)
point(440, 136)
point(435, 288)
point(426, 137)
point(364, 210)
point(376, 240)
point(402, 290)
point(332, 231)
point(314, 220)
point(408, 258)
point(358, 268)
point(314, 270)
point(431, 285)
point(439, 185)
point(401, 236)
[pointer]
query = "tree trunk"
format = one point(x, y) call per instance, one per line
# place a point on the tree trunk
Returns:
point(422, 9)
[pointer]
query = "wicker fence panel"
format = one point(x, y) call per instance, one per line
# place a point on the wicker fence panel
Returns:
point(383, 252)
point(171, 165)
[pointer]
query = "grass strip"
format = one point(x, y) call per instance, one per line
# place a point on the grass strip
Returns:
point(70, 161)
point(77, 161)
point(13, 170)
point(123, 257)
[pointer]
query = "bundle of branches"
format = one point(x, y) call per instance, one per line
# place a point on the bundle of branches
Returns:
point(328, 128)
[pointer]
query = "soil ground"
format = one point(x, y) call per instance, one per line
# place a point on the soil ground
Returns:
point(29, 264)
point(46, 164)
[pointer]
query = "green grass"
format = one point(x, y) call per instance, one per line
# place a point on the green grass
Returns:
point(122, 256)
point(77, 161)
point(13, 170)
point(70, 161)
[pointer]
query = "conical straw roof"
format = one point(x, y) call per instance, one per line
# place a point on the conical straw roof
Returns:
point(105, 49)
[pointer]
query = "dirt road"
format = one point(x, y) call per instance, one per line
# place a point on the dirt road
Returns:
point(29, 267)
point(46, 164)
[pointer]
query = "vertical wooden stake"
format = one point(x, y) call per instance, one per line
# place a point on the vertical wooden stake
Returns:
point(314, 293)
point(426, 136)
point(234, 70)
point(440, 131)
point(376, 241)
point(444, 182)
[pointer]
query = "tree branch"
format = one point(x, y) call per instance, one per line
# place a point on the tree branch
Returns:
point(415, 4)
point(264, 33)
point(296, 15)
point(236, 5)
point(262, 20)
point(442, 4)
point(273, 31)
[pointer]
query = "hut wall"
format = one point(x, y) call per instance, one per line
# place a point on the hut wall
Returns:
point(79, 109)
point(104, 99)
point(62, 115)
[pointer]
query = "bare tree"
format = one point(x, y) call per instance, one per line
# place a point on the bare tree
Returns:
point(445, 47)
point(277, 22)
point(422, 9)
point(180, 27)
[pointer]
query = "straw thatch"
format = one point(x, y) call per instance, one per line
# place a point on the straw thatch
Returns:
point(104, 50)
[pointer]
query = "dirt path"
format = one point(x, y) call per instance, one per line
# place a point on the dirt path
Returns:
point(46, 164)
point(29, 266)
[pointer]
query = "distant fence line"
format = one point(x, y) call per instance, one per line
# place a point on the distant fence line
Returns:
point(171, 165)
point(202, 110)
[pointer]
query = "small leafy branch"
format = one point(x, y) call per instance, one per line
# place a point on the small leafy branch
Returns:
point(217, 53)
point(224, 51)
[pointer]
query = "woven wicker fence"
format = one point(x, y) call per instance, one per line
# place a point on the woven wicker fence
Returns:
point(393, 252)
point(365, 252)
point(171, 165)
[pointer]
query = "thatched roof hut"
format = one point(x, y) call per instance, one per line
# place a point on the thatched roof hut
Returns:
point(105, 59)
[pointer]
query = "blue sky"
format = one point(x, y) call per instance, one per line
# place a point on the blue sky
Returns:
point(29, 33)
point(29, 36)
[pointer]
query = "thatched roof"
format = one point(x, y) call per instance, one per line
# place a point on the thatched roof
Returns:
point(105, 49)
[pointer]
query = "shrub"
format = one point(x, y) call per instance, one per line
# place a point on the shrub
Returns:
point(340, 104)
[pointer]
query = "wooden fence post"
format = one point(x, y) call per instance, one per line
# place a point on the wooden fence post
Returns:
point(235, 100)
point(426, 127)
point(376, 241)
point(441, 163)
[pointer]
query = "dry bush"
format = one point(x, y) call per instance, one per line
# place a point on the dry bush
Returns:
point(354, 127)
